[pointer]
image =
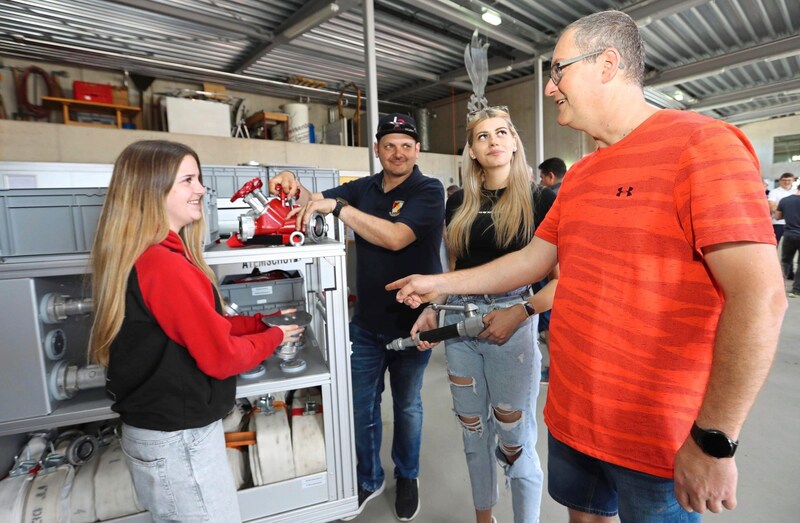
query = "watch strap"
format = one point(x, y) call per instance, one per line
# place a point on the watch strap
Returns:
point(340, 204)
point(713, 442)
point(530, 310)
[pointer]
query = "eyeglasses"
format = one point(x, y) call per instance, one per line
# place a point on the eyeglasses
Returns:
point(473, 114)
point(397, 125)
point(557, 69)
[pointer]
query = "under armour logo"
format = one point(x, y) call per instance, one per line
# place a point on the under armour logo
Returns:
point(628, 192)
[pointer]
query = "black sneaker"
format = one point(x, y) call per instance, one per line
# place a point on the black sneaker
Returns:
point(365, 495)
point(406, 506)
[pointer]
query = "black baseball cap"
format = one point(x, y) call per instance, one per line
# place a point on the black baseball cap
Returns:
point(397, 123)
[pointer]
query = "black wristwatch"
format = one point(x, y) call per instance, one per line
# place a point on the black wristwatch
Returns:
point(338, 208)
point(530, 310)
point(715, 443)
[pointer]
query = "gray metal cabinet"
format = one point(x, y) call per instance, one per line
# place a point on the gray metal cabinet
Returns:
point(324, 496)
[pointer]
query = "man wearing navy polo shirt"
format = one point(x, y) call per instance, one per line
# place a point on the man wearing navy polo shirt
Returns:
point(397, 216)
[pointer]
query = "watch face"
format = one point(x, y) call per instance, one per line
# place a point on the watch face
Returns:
point(714, 442)
point(717, 444)
point(529, 309)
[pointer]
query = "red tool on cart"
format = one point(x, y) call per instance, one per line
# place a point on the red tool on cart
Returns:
point(266, 224)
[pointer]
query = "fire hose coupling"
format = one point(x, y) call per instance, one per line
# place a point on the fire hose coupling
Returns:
point(66, 380)
point(55, 308)
point(471, 325)
point(266, 222)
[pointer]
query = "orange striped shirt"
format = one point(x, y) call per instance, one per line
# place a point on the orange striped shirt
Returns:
point(636, 310)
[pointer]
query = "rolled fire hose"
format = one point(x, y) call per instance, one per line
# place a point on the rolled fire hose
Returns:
point(48, 498)
point(114, 494)
point(308, 434)
point(13, 493)
point(271, 457)
point(81, 501)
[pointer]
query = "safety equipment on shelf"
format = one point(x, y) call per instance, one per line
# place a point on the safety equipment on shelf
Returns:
point(271, 458)
point(308, 434)
point(266, 223)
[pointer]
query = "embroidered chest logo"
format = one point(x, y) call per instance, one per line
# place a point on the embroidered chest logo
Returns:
point(396, 206)
point(628, 191)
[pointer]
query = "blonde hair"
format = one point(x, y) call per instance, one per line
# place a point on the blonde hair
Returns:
point(134, 217)
point(512, 215)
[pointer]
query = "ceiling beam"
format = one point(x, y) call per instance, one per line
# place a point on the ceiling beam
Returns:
point(649, 11)
point(311, 15)
point(510, 22)
point(719, 64)
point(745, 95)
point(764, 114)
point(463, 17)
point(171, 11)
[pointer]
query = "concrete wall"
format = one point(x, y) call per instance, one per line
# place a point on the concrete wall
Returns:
point(46, 142)
point(762, 135)
point(449, 134)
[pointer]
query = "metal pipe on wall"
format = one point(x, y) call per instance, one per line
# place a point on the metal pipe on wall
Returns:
point(372, 78)
point(539, 113)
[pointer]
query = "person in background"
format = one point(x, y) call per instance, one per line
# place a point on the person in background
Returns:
point(551, 173)
point(452, 190)
point(397, 216)
point(659, 346)
point(493, 377)
point(789, 211)
point(785, 188)
point(172, 356)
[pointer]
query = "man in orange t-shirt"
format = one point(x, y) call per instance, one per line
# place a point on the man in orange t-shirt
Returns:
point(670, 300)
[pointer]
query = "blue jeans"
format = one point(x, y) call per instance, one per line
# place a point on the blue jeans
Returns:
point(182, 475)
point(503, 377)
point(594, 486)
point(369, 362)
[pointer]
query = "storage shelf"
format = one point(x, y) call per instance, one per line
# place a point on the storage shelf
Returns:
point(297, 500)
point(220, 253)
point(87, 406)
point(93, 405)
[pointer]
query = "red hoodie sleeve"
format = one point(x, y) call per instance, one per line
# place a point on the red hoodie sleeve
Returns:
point(181, 298)
point(246, 324)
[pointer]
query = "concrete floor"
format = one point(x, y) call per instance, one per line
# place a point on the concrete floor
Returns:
point(768, 455)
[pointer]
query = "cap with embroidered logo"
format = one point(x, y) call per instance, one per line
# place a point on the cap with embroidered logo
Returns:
point(397, 123)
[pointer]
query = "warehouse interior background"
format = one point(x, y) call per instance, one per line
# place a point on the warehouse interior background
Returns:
point(737, 60)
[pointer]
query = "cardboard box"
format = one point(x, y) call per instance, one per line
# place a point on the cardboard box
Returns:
point(120, 95)
point(214, 88)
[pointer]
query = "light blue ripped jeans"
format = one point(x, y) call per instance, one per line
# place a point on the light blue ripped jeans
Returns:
point(504, 377)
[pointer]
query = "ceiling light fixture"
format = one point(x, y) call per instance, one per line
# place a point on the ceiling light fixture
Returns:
point(491, 17)
point(312, 20)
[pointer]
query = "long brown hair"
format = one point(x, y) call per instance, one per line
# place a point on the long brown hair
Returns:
point(133, 218)
point(512, 216)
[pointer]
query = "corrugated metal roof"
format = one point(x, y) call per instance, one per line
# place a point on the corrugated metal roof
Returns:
point(734, 59)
